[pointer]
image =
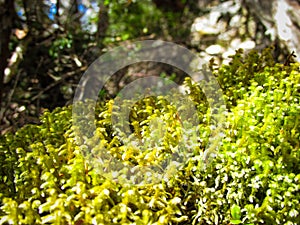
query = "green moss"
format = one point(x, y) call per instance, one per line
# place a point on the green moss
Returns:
point(254, 179)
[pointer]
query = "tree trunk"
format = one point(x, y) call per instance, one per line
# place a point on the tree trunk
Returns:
point(6, 25)
point(281, 18)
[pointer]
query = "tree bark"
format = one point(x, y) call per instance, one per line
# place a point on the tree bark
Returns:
point(7, 13)
point(281, 18)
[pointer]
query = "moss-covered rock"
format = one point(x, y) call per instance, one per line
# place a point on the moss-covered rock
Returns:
point(254, 179)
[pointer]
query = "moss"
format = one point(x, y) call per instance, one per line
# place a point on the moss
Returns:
point(254, 178)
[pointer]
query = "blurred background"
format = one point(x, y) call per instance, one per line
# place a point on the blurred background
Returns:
point(46, 45)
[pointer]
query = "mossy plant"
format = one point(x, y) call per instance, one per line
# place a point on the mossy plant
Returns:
point(254, 178)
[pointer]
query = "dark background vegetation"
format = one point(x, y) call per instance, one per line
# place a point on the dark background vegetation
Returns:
point(45, 46)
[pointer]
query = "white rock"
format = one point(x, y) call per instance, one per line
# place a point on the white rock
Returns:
point(204, 25)
point(247, 44)
point(228, 53)
point(235, 21)
point(235, 43)
point(214, 49)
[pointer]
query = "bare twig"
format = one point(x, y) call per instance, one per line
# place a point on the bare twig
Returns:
point(57, 82)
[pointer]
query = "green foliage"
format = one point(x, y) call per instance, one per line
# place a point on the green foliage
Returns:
point(123, 14)
point(133, 19)
point(254, 179)
point(60, 45)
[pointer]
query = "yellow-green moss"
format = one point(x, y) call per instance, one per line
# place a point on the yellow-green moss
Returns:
point(254, 179)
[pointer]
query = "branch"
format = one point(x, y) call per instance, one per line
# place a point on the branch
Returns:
point(57, 82)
